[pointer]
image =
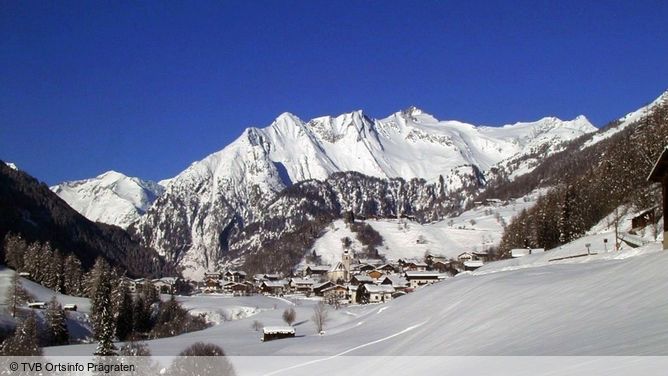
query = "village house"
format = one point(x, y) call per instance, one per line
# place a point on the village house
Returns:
point(336, 293)
point(212, 282)
point(376, 293)
point(387, 269)
point(317, 271)
point(361, 268)
point(301, 285)
point(277, 288)
point(360, 279)
point(465, 256)
point(318, 288)
point(235, 276)
point(134, 285)
point(375, 274)
point(643, 218)
point(442, 266)
point(374, 262)
point(272, 277)
point(659, 174)
point(398, 282)
point(421, 278)
point(166, 285)
point(238, 289)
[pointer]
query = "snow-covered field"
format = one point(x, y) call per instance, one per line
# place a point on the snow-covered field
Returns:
point(473, 231)
point(612, 305)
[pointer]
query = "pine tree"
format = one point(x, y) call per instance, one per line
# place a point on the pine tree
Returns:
point(141, 316)
point(102, 314)
point(105, 333)
point(123, 311)
point(72, 276)
point(24, 341)
point(15, 249)
point(16, 295)
point(56, 322)
point(31, 261)
point(53, 271)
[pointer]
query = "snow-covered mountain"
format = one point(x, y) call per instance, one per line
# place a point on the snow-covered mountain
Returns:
point(231, 188)
point(111, 198)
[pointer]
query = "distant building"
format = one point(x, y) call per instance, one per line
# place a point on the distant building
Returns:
point(277, 332)
point(659, 174)
point(377, 293)
point(643, 219)
point(416, 279)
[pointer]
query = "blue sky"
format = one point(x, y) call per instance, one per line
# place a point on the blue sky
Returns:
point(148, 88)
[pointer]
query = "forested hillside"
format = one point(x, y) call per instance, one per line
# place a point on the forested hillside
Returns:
point(590, 183)
point(29, 208)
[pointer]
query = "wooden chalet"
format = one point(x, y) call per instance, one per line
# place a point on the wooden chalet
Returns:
point(375, 274)
point(235, 276)
point(376, 293)
point(301, 285)
point(387, 268)
point(317, 270)
point(273, 287)
point(319, 288)
point(238, 289)
point(659, 174)
point(643, 219)
point(421, 278)
point(337, 292)
point(360, 279)
point(398, 282)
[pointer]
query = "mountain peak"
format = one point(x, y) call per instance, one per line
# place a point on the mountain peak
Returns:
point(12, 166)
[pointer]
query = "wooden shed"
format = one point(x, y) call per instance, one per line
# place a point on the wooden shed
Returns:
point(659, 174)
point(277, 332)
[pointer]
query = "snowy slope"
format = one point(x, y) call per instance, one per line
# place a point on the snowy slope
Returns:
point(473, 231)
point(111, 198)
point(600, 307)
point(627, 120)
point(11, 165)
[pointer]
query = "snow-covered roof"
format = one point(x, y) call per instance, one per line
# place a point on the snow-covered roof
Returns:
point(363, 278)
point(278, 329)
point(422, 274)
point(274, 283)
point(379, 288)
point(371, 261)
point(396, 280)
point(473, 263)
point(335, 287)
point(320, 285)
point(319, 268)
point(302, 281)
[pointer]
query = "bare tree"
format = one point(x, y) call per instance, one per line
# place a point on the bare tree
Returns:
point(257, 325)
point(617, 217)
point(289, 315)
point(320, 313)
